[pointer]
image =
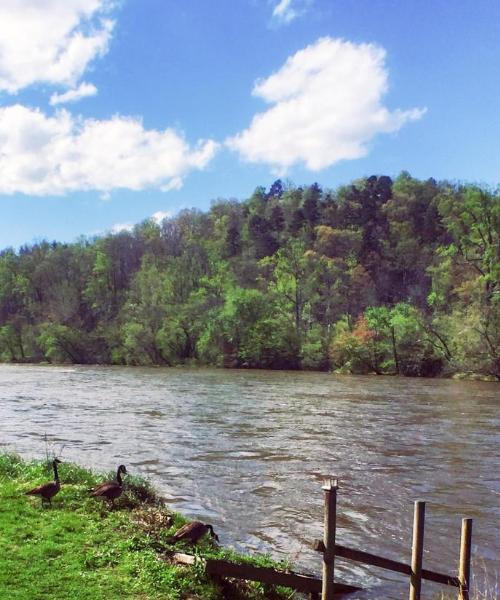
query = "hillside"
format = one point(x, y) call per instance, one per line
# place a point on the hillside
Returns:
point(394, 277)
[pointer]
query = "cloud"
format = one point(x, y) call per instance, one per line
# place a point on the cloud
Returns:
point(156, 217)
point(50, 41)
point(326, 107)
point(120, 227)
point(42, 155)
point(174, 184)
point(286, 11)
point(159, 215)
point(84, 90)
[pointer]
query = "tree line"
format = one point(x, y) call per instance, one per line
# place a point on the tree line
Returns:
point(392, 277)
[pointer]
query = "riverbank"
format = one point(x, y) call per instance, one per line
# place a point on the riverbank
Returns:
point(80, 549)
point(460, 376)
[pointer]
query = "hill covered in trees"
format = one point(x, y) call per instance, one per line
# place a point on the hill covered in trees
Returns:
point(379, 276)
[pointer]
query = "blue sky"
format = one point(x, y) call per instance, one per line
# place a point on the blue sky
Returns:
point(112, 112)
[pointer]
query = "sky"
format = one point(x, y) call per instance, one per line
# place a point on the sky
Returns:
point(116, 111)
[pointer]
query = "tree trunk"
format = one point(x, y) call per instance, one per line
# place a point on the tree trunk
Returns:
point(394, 351)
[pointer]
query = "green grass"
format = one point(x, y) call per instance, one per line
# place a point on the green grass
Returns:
point(78, 549)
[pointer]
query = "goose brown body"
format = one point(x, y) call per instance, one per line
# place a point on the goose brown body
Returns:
point(48, 490)
point(111, 490)
point(194, 531)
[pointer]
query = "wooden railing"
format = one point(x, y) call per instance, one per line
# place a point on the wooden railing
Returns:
point(331, 550)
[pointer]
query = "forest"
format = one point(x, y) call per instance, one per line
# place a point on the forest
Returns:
point(380, 276)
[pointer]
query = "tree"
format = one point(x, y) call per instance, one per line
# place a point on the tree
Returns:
point(468, 274)
point(260, 233)
point(338, 243)
point(360, 292)
point(400, 344)
point(310, 207)
point(415, 232)
point(144, 314)
point(351, 351)
point(276, 189)
point(387, 341)
point(288, 284)
point(233, 241)
point(277, 218)
point(473, 219)
point(65, 344)
point(297, 221)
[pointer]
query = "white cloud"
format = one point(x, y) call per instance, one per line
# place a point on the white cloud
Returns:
point(84, 90)
point(119, 227)
point(327, 106)
point(159, 215)
point(50, 41)
point(174, 184)
point(156, 217)
point(43, 155)
point(286, 12)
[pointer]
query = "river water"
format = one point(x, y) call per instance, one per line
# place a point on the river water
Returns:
point(248, 451)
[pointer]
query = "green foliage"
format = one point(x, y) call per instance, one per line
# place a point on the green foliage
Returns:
point(387, 340)
point(352, 351)
point(249, 333)
point(341, 243)
point(314, 351)
point(291, 278)
point(61, 344)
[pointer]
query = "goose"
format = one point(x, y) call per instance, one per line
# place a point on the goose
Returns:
point(111, 490)
point(48, 490)
point(192, 532)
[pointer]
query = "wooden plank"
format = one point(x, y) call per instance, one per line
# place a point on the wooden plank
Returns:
point(440, 578)
point(372, 559)
point(465, 555)
point(329, 528)
point(386, 563)
point(417, 550)
point(302, 583)
point(296, 581)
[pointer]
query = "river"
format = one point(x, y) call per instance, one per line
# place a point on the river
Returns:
point(248, 451)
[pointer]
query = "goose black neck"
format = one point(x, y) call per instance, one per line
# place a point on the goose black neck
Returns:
point(211, 529)
point(56, 474)
point(119, 476)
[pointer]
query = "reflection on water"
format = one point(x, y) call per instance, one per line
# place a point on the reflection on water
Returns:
point(249, 450)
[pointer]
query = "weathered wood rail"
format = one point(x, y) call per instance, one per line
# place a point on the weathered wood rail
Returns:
point(415, 571)
point(223, 568)
point(387, 563)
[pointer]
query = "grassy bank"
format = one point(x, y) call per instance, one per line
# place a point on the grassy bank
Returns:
point(79, 549)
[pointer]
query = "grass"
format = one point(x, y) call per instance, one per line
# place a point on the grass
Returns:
point(79, 549)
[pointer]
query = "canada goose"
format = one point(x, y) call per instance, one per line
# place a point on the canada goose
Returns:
point(111, 490)
point(192, 532)
point(48, 490)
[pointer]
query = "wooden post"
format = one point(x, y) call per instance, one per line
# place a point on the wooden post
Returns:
point(417, 550)
point(465, 555)
point(330, 487)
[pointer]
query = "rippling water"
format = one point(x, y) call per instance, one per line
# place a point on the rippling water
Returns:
point(248, 450)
